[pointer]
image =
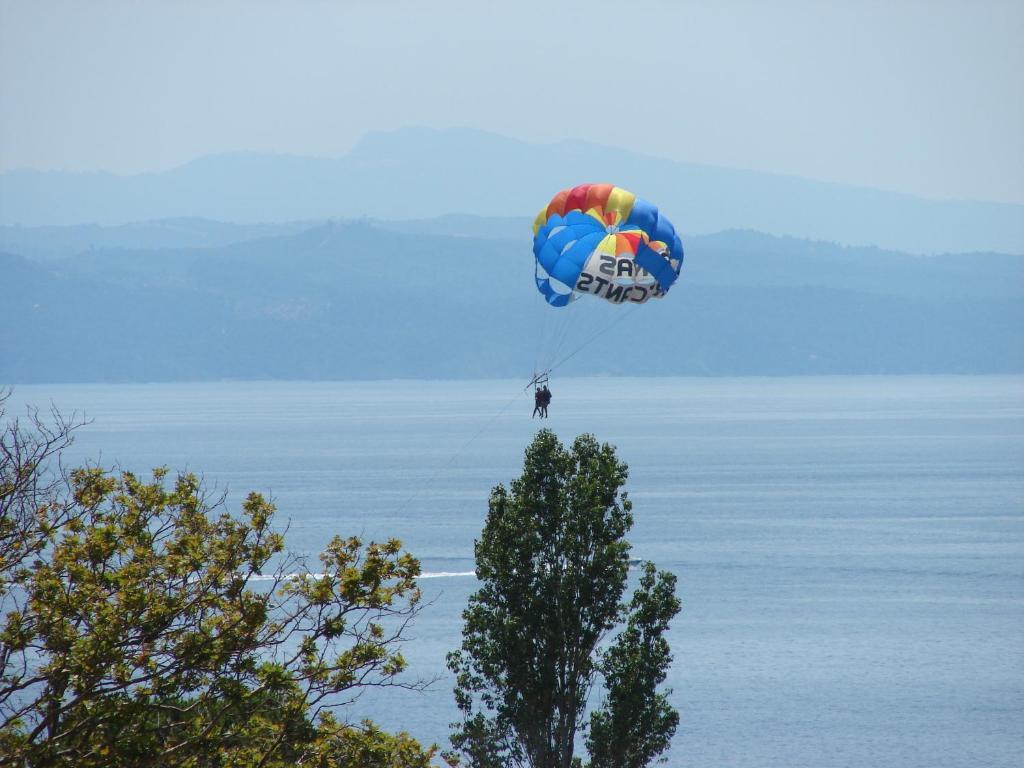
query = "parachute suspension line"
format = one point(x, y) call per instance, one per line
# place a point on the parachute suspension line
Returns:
point(557, 324)
point(546, 331)
point(595, 336)
point(555, 327)
point(569, 318)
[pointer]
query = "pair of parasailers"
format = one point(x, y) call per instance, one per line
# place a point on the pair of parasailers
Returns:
point(541, 400)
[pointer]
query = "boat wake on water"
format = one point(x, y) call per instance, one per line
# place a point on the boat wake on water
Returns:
point(291, 576)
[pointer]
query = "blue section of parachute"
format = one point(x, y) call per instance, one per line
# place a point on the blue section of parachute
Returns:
point(563, 245)
point(646, 217)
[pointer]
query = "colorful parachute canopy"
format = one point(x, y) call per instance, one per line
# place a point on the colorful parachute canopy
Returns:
point(601, 239)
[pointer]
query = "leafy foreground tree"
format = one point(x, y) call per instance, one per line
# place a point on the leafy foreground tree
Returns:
point(134, 631)
point(553, 566)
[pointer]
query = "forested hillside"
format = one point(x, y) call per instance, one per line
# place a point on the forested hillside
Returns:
point(427, 299)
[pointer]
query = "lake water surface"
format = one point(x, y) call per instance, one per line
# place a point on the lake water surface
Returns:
point(850, 550)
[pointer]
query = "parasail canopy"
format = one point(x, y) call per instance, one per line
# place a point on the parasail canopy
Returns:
point(602, 240)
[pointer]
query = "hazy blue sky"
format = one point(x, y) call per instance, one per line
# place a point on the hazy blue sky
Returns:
point(922, 97)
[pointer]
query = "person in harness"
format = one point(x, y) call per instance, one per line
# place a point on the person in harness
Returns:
point(544, 398)
point(541, 395)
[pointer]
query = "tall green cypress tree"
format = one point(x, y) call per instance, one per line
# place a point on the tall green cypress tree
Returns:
point(553, 565)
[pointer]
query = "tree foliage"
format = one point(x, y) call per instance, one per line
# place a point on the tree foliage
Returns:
point(637, 722)
point(553, 565)
point(144, 625)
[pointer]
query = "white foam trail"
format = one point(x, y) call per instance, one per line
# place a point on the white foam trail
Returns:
point(446, 574)
point(285, 577)
point(428, 575)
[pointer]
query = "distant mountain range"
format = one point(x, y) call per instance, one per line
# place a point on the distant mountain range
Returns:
point(420, 173)
point(201, 300)
point(58, 242)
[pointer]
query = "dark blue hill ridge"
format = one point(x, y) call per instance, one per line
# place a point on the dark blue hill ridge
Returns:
point(358, 300)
